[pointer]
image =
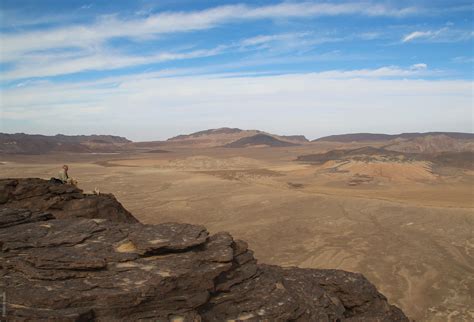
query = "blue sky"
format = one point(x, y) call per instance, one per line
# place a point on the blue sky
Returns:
point(153, 69)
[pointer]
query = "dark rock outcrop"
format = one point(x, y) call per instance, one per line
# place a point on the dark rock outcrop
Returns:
point(62, 200)
point(259, 140)
point(82, 269)
point(462, 160)
point(294, 138)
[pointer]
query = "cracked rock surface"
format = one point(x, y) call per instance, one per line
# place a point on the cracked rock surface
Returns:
point(61, 266)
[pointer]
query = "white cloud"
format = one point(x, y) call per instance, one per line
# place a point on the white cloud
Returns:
point(67, 49)
point(263, 39)
point(417, 70)
point(53, 64)
point(297, 42)
point(417, 34)
point(108, 27)
point(445, 34)
point(418, 67)
point(62, 62)
point(148, 106)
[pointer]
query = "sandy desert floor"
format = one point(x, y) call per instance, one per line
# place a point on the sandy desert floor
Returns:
point(408, 229)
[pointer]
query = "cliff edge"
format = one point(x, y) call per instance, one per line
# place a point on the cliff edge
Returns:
point(69, 256)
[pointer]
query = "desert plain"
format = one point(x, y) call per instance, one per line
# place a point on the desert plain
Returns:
point(406, 225)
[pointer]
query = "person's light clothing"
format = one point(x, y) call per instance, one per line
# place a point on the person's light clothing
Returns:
point(63, 176)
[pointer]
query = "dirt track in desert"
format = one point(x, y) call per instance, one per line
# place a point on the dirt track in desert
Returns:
point(408, 229)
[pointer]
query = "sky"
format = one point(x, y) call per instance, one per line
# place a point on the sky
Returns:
point(149, 70)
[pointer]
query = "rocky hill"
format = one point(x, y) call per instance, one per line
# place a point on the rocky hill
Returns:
point(294, 138)
point(368, 137)
point(259, 140)
point(433, 144)
point(20, 143)
point(461, 159)
point(346, 154)
point(226, 136)
point(220, 131)
point(69, 256)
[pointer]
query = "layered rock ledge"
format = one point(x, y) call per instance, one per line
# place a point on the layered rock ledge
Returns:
point(68, 256)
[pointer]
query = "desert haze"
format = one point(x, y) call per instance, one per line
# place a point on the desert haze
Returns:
point(396, 208)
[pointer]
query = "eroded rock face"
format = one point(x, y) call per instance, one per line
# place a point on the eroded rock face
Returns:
point(82, 269)
point(62, 200)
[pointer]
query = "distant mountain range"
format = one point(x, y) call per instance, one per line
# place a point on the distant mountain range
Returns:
point(430, 142)
point(21, 143)
point(367, 137)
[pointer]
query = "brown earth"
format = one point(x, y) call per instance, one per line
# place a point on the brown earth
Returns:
point(407, 225)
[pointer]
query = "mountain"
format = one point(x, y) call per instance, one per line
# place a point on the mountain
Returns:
point(223, 130)
point(433, 144)
point(91, 138)
point(294, 138)
point(91, 262)
point(366, 137)
point(225, 135)
point(210, 138)
point(259, 140)
point(21, 143)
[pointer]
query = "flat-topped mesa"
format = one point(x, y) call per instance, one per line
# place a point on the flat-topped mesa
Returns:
point(102, 269)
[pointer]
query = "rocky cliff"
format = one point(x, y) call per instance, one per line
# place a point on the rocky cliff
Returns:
point(68, 256)
point(61, 200)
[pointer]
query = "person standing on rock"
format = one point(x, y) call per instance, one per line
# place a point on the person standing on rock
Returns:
point(64, 176)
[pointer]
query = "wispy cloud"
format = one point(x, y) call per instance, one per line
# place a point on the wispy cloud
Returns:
point(265, 39)
point(297, 42)
point(72, 48)
point(463, 59)
point(445, 34)
point(417, 34)
point(416, 70)
point(109, 27)
point(54, 64)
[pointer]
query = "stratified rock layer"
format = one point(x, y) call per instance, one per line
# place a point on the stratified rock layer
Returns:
point(82, 269)
point(62, 200)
